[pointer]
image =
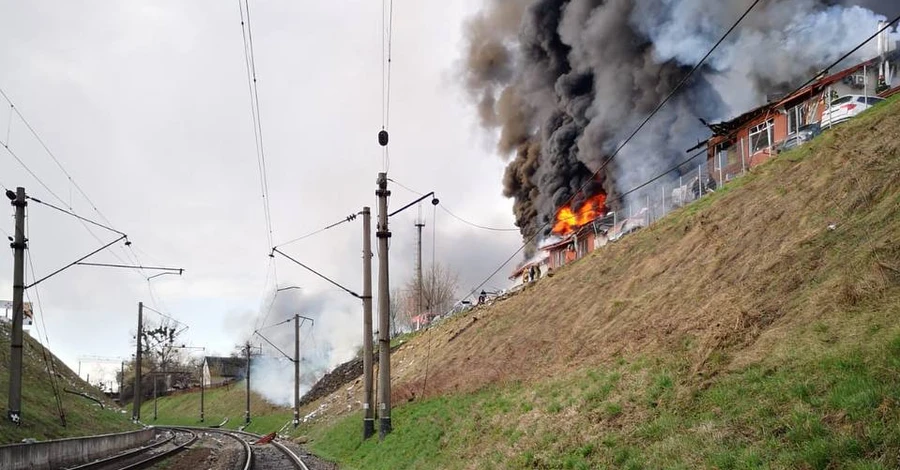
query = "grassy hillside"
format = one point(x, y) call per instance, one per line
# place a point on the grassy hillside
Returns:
point(40, 416)
point(219, 404)
point(756, 328)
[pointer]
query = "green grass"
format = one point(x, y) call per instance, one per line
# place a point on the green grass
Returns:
point(219, 403)
point(836, 410)
point(40, 418)
point(811, 383)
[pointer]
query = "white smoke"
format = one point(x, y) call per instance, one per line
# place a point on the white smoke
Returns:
point(567, 87)
point(779, 44)
point(332, 338)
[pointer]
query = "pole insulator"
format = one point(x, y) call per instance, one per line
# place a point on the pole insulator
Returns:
point(383, 138)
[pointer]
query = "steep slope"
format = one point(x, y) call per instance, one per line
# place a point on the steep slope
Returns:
point(756, 327)
point(220, 403)
point(41, 418)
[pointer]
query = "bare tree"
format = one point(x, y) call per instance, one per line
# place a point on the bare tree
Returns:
point(436, 296)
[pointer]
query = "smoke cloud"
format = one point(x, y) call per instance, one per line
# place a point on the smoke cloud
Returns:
point(564, 82)
point(333, 338)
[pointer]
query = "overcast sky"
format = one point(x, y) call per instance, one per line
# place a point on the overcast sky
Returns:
point(146, 105)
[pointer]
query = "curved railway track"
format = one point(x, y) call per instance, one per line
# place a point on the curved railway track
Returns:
point(144, 457)
point(272, 456)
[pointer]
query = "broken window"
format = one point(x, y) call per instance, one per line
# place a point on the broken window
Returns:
point(797, 118)
point(761, 136)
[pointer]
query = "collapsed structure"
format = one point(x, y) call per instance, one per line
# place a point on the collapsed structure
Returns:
point(735, 147)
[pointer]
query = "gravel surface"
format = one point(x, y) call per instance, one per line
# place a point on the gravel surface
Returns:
point(212, 451)
point(311, 461)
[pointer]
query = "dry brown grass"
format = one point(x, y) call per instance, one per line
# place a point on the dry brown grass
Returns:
point(718, 282)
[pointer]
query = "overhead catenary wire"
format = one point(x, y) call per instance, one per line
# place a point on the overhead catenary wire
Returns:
point(387, 32)
point(618, 198)
point(252, 83)
point(451, 214)
point(53, 157)
point(166, 315)
point(56, 160)
point(845, 56)
point(349, 218)
point(84, 219)
point(631, 136)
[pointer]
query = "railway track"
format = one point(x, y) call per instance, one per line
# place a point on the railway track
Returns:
point(271, 456)
point(143, 457)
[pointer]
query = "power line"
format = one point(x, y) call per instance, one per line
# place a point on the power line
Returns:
point(620, 197)
point(637, 130)
point(473, 224)
point(43, 144)
point(326, 278)
point(445, 209)
point(51, 369)
point(76, 216)
point(53, 156)
point(387, 33)
point(33, 175)
point(845, 56)
point(349, 218)
point(250, 62)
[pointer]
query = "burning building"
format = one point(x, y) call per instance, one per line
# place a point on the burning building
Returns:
point(563, 83)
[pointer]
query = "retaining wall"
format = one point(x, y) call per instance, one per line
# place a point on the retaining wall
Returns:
point(53, 455)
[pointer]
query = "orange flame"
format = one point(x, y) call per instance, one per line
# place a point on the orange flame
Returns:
point(569, 220)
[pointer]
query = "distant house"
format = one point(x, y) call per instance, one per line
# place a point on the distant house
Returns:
point(755, 136)
point(222, 370)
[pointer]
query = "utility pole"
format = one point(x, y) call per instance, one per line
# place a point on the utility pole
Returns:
point(384, 306)
point(247, 412)
point(201, 390)
point(136, 409)
point(121, 383)
point(19, 244)
point(296, 370)
point(155, 376)
point(420, 223)
point(368, 376)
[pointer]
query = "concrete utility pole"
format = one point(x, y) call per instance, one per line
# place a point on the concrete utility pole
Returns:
point(384, 307)
point(296, 370)
point(19, 244)
point(136, 409)
point(201, 390)
point(155, 376)
point(368, 376)
point(247, 412)
point(420, 307)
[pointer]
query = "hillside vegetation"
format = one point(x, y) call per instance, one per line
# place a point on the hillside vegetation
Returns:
point(756, 328)
point(40, 416)
point(220, 404)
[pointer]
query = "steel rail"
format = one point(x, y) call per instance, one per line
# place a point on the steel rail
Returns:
point(281, 447)
point(296, 460)
point(123, 456)
point(248, 451)
point(165, 455)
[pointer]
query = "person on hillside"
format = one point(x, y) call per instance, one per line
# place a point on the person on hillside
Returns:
point(482, 298)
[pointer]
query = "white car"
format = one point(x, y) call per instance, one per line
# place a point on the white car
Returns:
point(847, 107)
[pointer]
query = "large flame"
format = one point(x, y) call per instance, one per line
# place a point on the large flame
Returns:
point(569, 219)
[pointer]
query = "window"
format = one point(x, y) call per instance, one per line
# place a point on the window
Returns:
point(726, 154)
point(841, 100)
point(761, 136)
point(796, 119)
point(872, 101)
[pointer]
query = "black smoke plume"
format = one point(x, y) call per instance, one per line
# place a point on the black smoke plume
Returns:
point(564, 82)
